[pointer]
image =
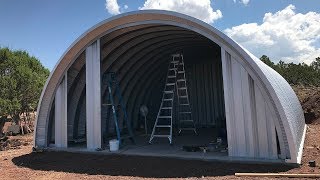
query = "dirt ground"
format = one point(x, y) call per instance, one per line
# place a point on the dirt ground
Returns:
point(19, 162)
point(310, 101)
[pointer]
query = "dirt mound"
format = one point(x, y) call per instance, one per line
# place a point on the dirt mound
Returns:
point(310, 100)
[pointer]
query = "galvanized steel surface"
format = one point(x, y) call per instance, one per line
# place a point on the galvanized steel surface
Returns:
point(137, 46)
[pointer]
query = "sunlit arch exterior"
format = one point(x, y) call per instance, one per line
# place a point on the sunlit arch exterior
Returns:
point(264, 118)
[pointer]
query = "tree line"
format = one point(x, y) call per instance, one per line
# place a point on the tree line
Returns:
point(297, 74)
point(22, 78)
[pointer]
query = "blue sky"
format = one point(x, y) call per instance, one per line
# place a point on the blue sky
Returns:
point(46, 28)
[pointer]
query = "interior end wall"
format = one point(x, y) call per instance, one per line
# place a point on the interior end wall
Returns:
point(205, 86)
point(206, 94)
point(51, 131)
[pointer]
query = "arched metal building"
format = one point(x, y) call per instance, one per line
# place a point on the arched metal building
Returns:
point(229, 87)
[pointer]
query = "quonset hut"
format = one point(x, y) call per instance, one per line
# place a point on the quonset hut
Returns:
point(229, 89)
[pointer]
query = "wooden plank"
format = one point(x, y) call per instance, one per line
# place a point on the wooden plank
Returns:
point(274, 175)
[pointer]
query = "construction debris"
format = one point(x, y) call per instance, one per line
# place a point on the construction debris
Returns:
point(312, 163)
point(214, 146)
point(191, 148)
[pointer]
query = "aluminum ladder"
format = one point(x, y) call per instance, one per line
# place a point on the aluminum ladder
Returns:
point(186, 122)
point(163, 125)
point(110, 80)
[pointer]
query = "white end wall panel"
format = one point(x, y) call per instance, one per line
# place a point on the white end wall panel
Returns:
point(93, 96)
point(61, 114)
point(239, 128)
point(261, 124)
point(228, 99)
point(248, 112)
point(272, 142)
point(250, 122)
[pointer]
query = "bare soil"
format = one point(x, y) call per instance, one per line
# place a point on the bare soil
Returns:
point(310, 101)
point(22, 163)
point(19, 162)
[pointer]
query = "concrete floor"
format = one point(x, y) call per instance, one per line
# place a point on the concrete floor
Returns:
point(160, 147)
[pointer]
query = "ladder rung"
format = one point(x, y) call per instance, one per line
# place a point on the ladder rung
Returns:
point(165, 117)
point(181, 72)
point(181, 63)
point(183, 96)
point(167, 99)
point(186, 120)
point(126, 137)
point(161, 135)
point(180, 80)
point(187, 128)
point(174, 61)
point(170, 84)
point(106, 104)
point(187, 112)
point(173, 69)
point(182, 88)
point(168, 92)
point(166, 108)
point(171, 76)
point(187, 104)
point(163, 126)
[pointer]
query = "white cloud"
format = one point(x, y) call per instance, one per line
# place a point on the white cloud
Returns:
point(125, 6)
point(200, 9)
point(113, 7)
point(284, 35)
point(245, 2)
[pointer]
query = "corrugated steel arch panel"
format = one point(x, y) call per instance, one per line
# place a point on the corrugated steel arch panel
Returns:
point(117, 57)
point(132, 89)
point(180, 42)
point(165, 55)
point(122, 42)
point(290, 117)
point(118, 39)
point(165, 39)
point(136, 57)
point(148, 51)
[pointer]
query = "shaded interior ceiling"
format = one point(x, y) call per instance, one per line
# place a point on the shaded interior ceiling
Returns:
point(139, 55)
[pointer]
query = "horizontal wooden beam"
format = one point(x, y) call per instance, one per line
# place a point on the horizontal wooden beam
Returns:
point(278, 175)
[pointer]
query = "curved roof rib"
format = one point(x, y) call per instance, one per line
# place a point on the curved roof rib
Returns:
point(136, 44)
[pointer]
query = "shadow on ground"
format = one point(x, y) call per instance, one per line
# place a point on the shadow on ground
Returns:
point(121, 165)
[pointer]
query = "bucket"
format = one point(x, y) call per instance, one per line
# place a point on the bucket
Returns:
point(114, 145)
